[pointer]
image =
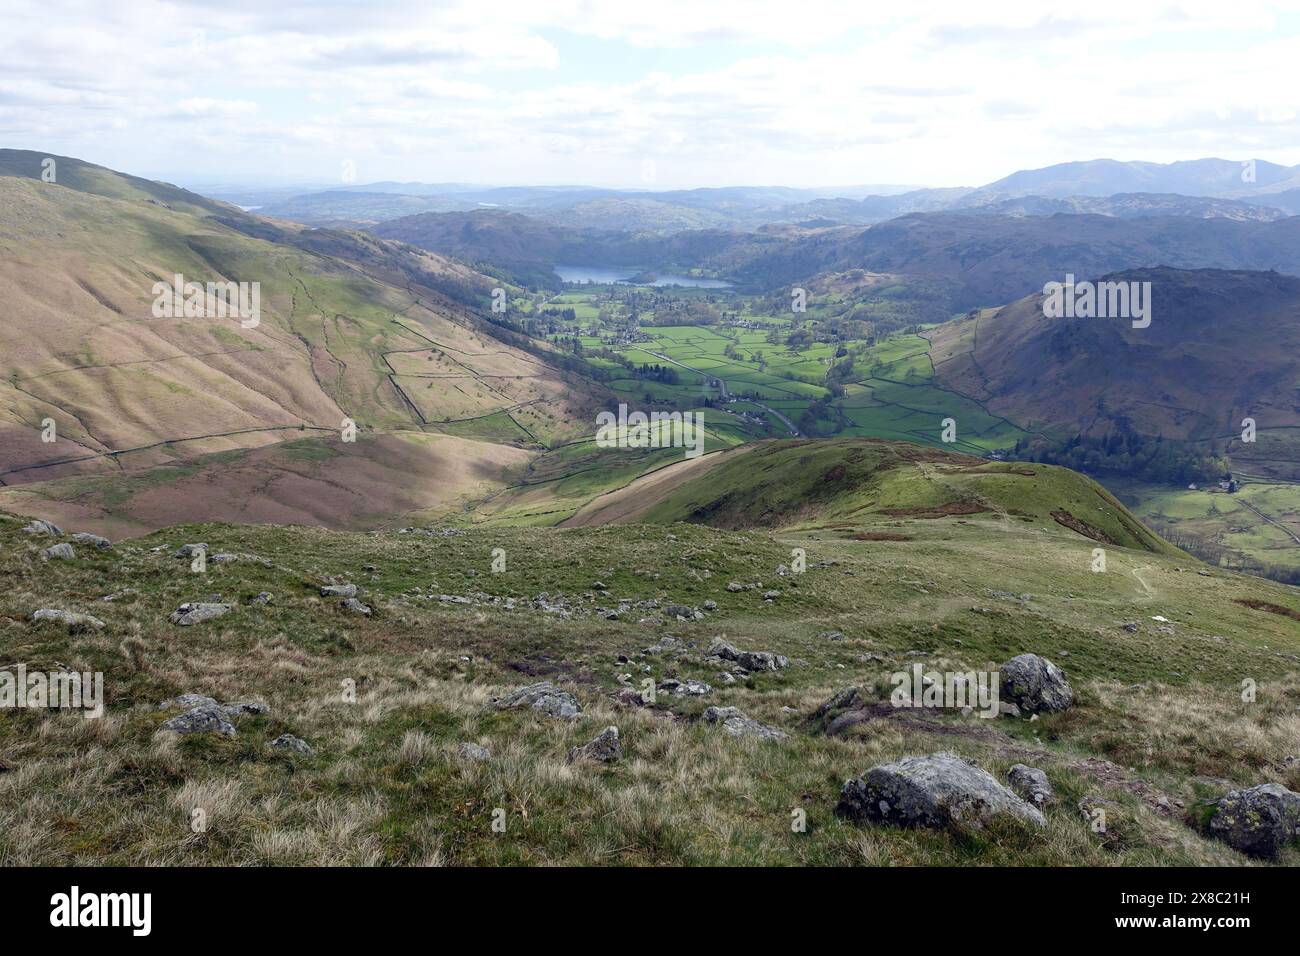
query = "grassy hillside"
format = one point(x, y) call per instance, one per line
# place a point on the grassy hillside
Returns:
point(850, 481)
point(1156, 648)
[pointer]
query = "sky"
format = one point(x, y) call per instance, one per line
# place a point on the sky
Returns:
point(662, 94)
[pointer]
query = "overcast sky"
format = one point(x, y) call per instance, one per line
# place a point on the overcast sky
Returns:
point(661, 93)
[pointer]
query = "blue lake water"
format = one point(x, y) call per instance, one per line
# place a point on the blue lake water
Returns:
point(604, 276)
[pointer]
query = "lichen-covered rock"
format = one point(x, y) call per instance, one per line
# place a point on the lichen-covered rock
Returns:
point(198, 612)
point(750, 660)
point(353, 606)
point(606, 748)
point(189, 550)
point(59, 552)
point(187, 702)
point(733, 722)
point(474, 752)
point(690, 687)
point(290, 742)
point(206, 718)
point(544, 697)
point(72, 619)
point(940, 791)
point(43, 527)
point(339, 590)
point(1035, 685)
point(93, 540)
point(1031, 783)
point(1258, 821)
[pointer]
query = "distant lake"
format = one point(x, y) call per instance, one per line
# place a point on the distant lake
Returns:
point(603, 276)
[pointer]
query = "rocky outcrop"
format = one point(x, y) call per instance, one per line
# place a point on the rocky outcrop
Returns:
point(941, 791)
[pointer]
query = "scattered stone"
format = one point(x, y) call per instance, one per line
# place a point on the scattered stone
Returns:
point(95, 540)
point(43, 527)
point(680, 611)
point(239, 708)
point(735, 587)
point(189, 550)
point(474, 752)
point(737, 724)
point(726, 677)
point(666, 643)
point(118, 595)
point(340, 590)
point(59, 552)
point(198, 612)
point(749, 660)
point(353, 606)
point(782, 570)
point(544, 697)
point(1258, 821)
point(629, 698)
point(771, 595)
point(1031, 783)
point(850, 698)
point(941, 791)
point(690, 687)
point(832, 635)
point(710, 605)
point(265, 597)
point(599, 586)
point(290, 742)
point(187, 702)
point(206, 718)
point(223, 557)
point(71, 618)
point(605, 748)
point(1035, 684)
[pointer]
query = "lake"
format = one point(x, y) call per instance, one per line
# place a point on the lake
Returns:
point(603, 276)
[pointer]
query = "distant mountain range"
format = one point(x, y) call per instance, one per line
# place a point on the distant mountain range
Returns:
point(1204, 188)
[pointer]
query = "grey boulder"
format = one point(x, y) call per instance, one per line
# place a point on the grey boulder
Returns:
point(1258, 821)
point(198, 612)
point(1035, 685)
point(606, 748)
point(736, 724)
point(206, 718)
point(339, 590)
point(71, 618)
point(1031, 783)
point(474, 752)
point(43, 527)
point(290, 742)
point(94, 540)
point(544, 697)
point(940, 791)
point(59, 552)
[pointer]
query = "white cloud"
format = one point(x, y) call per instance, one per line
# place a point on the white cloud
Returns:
point(789, 91)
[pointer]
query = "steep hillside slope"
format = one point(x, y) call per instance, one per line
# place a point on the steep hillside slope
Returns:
point(1222, 346)
point(349, 327)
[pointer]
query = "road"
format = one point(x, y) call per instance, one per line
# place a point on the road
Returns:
point(722, 388)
